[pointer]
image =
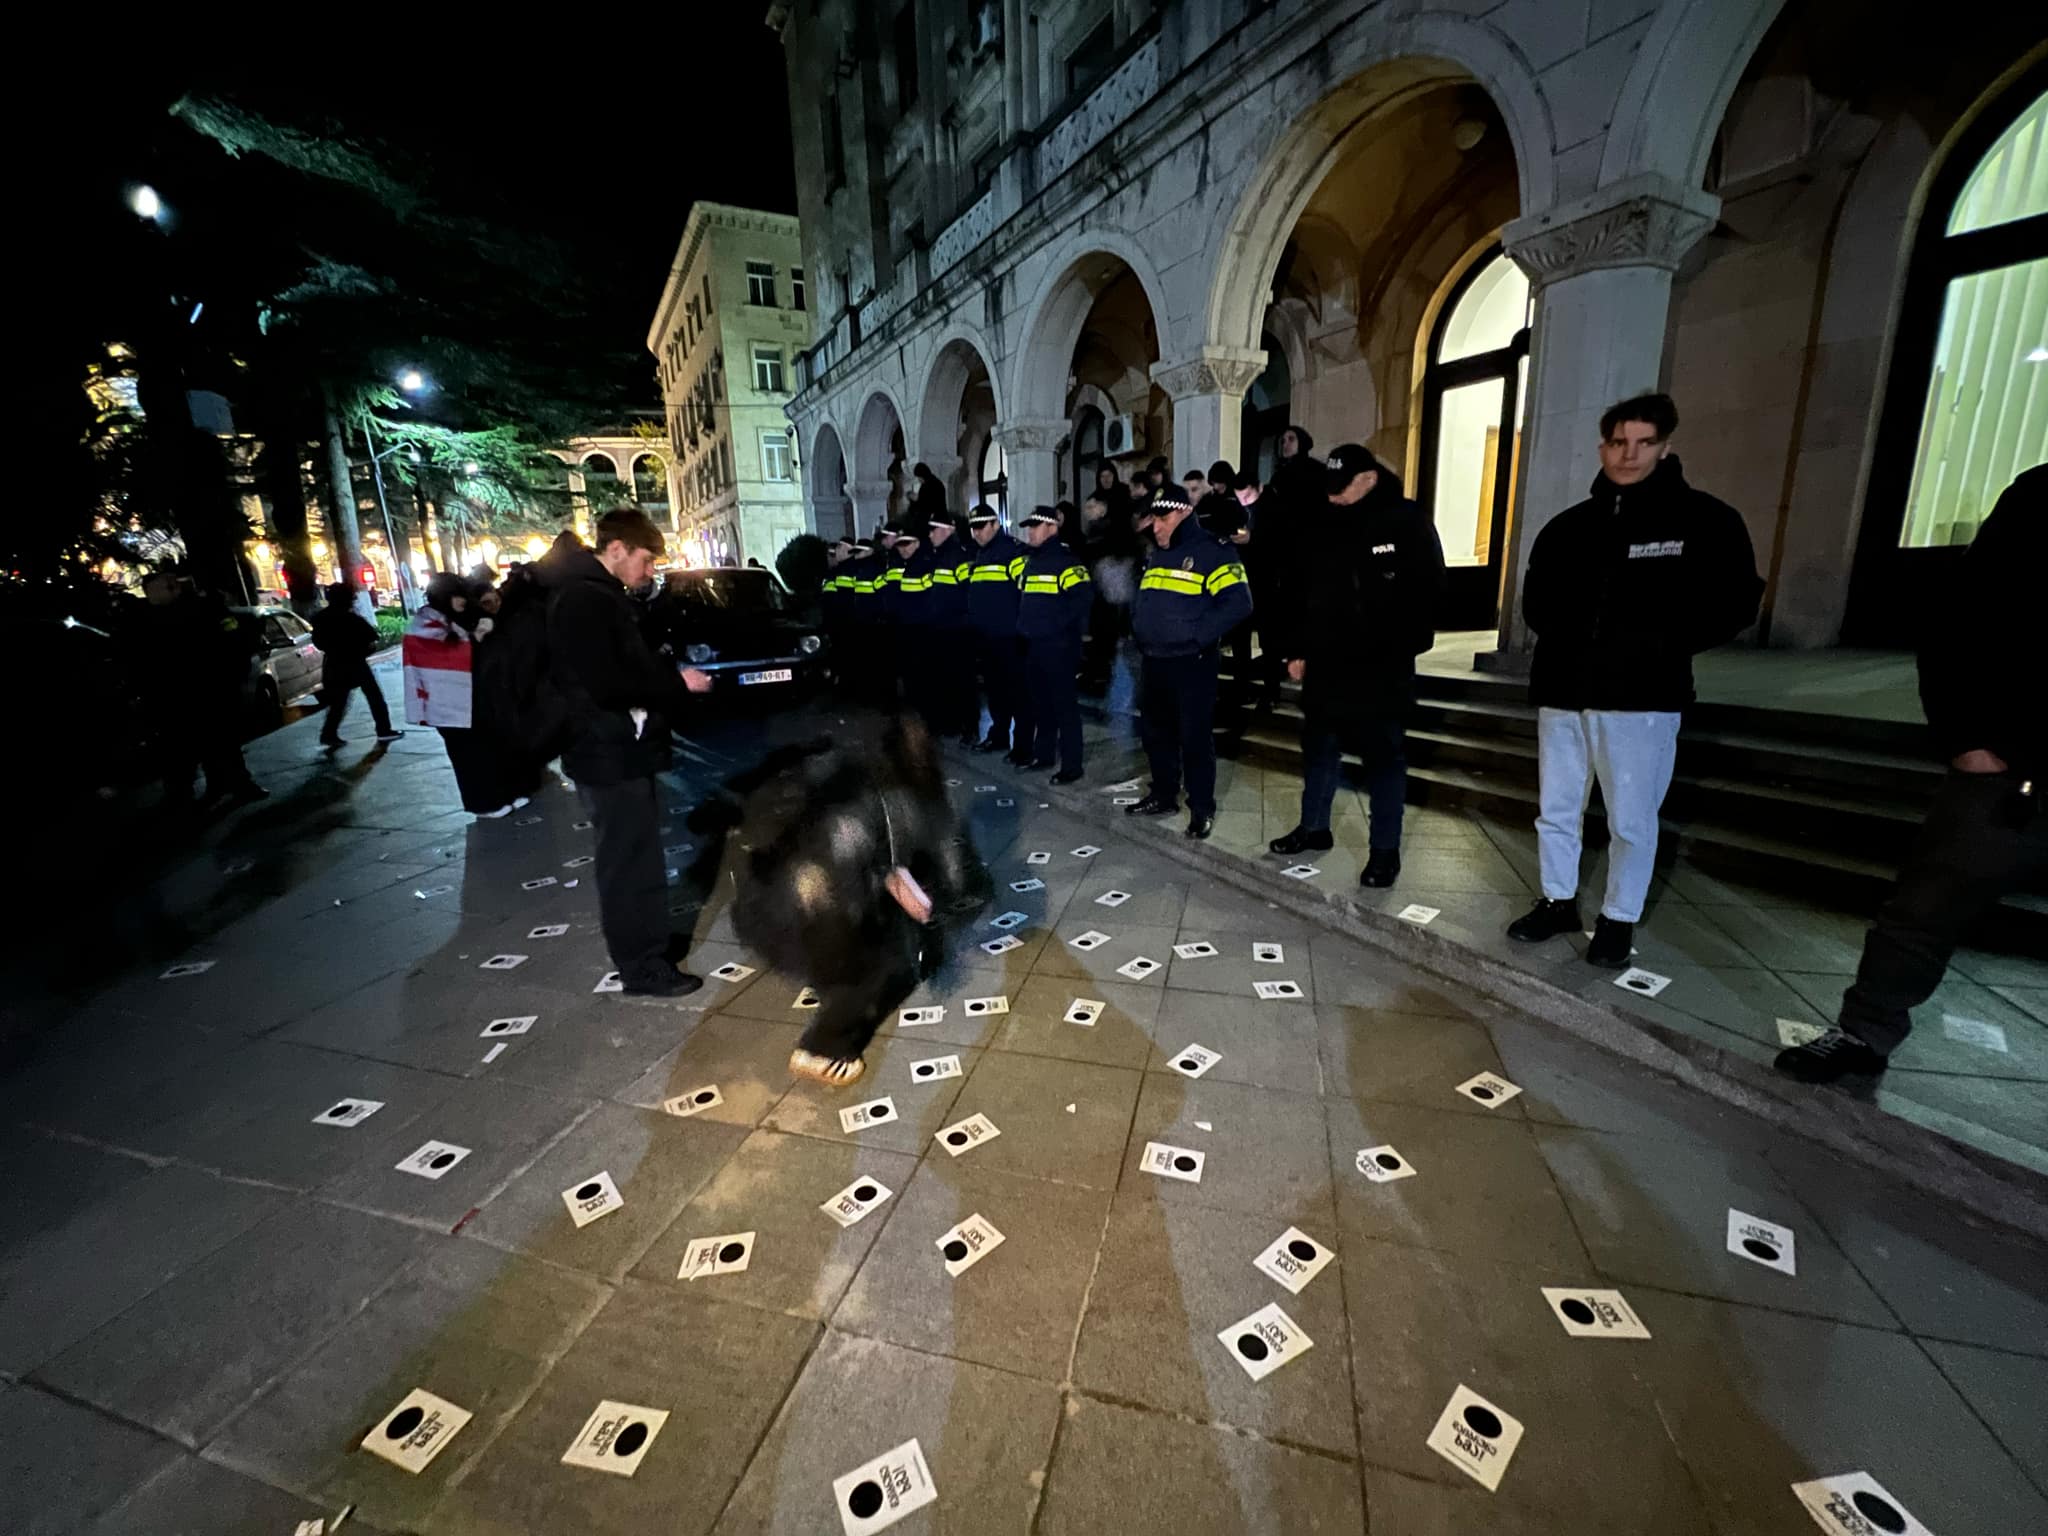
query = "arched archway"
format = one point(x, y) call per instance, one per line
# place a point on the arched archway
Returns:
point(598, 464)
point(959, 404)
point(1089, 265)
point(831, 510)
point(650, 485)
point(878, 453)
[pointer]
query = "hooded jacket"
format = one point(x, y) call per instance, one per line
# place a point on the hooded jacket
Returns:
point(1369, 605)
point(602, 669)
point(1192, 594)
point(1624, 589)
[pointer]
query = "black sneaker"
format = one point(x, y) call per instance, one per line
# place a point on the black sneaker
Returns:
point(1835, 1054)
point(990, 744)
point(329, 743)
point(1382, 869)
point(1066, 776)
point(1021, 758)
point(1300, 841)
point(389, 735)
point(681, 984)
point(1153, 805)
point(1041, 763)
point(1200, 826)
point(1612, 944)
point(1546, 920)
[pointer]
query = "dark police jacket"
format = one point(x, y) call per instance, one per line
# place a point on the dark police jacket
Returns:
point(1054, 594)
point(928, 595)
point(993, 573)
point(1369, 606)
point(1625, 588)
point(1192, 594)
point(602, 669)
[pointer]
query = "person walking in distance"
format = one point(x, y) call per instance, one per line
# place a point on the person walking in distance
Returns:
point(1192, 594)
point(619, 701)
point(1368, 614)
point(345, 639)
point(192, 660)
point(995, 568)
point(1621, 592)
point(1986, 833)
point(1053, 599)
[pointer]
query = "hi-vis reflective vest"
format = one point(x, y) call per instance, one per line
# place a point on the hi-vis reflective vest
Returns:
point(993, 572)
point(1054, 595)
point(1192, 594)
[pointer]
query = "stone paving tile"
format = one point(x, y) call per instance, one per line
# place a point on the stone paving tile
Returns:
point(89, 1235)
point(467, 1323)
point(1210, 906)
point(657, 1162)
point(85, 1082)
point(417, 1021)
point(589, 1051)
point(1016, 1309)
point(61, 1464)
point(1127, 941)
point(1174, 1276)
point(2006, 1392)
point(1153, 903)
point(773, 1187)
point(950, 988)
point(1119, 1470)
point(1266, 1045)
point(1656, 1213)
point(1423, 1324)
point(986, 1435)
point(1027, 1097)
point(2032, 1001)
point(1405, 1058)
point(1351, 976)
point(191, 1497)
point(1566, 1082)
point(1263, 1154)
point(811, 1109)
point(1827, 942)
point(1997, 970)
point(1478, 1187)
point(191, 1353)
point(747, 1060)
point(1757, 1400)
point(719, 1371)
point(1120, 1037)
point(1965, 1106)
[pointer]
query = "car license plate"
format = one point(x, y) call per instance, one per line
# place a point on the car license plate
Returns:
point(775, 675)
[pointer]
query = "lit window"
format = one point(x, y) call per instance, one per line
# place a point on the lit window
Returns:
point(761, 284)
point(768, 367)
point(775, 456)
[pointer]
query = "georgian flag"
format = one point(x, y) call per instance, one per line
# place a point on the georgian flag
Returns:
point(437, 685)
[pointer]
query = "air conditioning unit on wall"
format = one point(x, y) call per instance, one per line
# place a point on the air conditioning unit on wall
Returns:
point(1121, 435)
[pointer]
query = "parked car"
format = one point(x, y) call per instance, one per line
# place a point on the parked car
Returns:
point(288, 665)
point(744, 628)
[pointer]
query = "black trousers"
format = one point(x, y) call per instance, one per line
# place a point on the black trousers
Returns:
point(340, 681)
point(951, 709)
point(1982, 838)
point(202, 736)
point(1108, 623)
point(479, 768)
point(632, 880)
point(1178, 724)
point(1050, 666)
point(999, 667)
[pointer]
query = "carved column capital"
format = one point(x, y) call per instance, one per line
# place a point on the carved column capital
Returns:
point(1032, 436)
point(1646, 221)
point(1210, 371)
point(943, 469)
point(866, 491)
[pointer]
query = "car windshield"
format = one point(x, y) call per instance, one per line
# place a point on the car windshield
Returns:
point(729, 591)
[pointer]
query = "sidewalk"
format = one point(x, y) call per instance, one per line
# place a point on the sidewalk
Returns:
point(213, 1297)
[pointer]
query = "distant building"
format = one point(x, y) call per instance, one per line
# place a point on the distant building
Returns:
point(638, 462)
point(727, 334)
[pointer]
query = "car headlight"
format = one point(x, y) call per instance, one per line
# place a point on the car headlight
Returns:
point(810, 645)
point(700, 653)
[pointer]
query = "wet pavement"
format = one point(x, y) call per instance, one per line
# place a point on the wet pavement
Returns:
point(217, 1288)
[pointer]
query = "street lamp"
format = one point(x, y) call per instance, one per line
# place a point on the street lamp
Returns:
point(412, 381)
point(147, 205)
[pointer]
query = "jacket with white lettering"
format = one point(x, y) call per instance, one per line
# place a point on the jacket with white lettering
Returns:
point(1192, 594)
point(1368, 606)
point(1625, 588)
point(993, 571)
point(1054, 593)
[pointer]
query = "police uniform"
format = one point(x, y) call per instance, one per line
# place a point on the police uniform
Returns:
point(993, 572)
point(835, 607)
point(872, 667)
point(949, 658)
point(1192, 594)
point(1053, 599)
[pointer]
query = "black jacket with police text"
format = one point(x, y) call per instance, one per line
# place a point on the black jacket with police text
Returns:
point(1369, 605)
point(1624, 589)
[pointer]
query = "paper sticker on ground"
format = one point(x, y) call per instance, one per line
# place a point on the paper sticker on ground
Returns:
point(1002, 946)
point(1084, 1010)
point(1138, 969)
point(582, 859)
point(732, 970)
point(416, 1431)
point(695, 1102)
point(1199, 949)
point(1038, 858)
point(527, 821)
point(1415, 912)
point(911, 1018)
point(348, 1112)
point(1125, 800)
point(1476, 1437)
point(535, 885)
point(548, 931)
point(1594, 1314)
point(609, 982)
point(188, 968)
point(1762, 1242)
point(1194, 1060)
point(1094, 938)
point(1010, 920)
point(1641, 982)
point(494, 1053)
point(1977, 1032)
point(874, 1496)
point(808, 998)
point(1269, 953)
point(615, 1438)
point(591, 1199)
point(1792, 1032)
point(1173, 1162)
point(858, 1117)
point(1004, 804)
point(1856, 1504)
point(969, 1243)
point(1121, 789)
point(433, 1159)
point(1112, 898)
point(965, 1135)
point(935, 1069)
point(1033, 884)
point(984, 789)
point(517, 1025)
point(979, 1007)
point(856, 1200)
point(503, 963)
point(1383, 1165)
point(1274, 991)
point(726, 1255)
point(1265, 1341)
point(1294, 1259)
point(1085, 851)
point(1301, 872)
point(1488, 1089)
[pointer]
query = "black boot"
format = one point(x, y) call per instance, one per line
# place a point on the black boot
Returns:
point(1153, 805)
point(1835, 1054)
point(1066, 776)
point(1200, 826)
point(1546, 920)
point(1300, 841)
point(990, 744)
point(1382, 868)
point(1612, 944)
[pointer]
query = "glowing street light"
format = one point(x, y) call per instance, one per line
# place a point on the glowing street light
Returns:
point(412, 381)
point(147, 205)
point(469, 468)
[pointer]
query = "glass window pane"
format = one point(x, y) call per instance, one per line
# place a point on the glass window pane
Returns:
point(1467, 453)
point(2011, 181)
point(1987, 403)
point(1488, 312)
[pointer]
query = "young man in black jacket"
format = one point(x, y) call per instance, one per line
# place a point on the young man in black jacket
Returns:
point(1622, 591)
point(1986, 832)
point(619, 699)
point(345, 639)
point(1368, 613)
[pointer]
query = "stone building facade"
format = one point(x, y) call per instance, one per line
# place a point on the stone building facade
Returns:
point(1051, 232)
point(726, 337)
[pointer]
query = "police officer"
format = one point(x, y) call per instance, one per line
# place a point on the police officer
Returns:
point(1192, 594)
point(1367, 614)
point(948, 659)
point(1053, 600)
point(870, 669)
point(995, 567)
point(910, 600)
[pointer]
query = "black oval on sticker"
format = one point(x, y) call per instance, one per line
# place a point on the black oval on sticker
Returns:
point(337, 1112)
point(865, 1193)
point(629, 1439)
point(443, 1161)
point(732, 1253)
point(1303, 1251)
point(404, 1422)
point(1482, 1093)
point(1482, 1421)
point(706, 1096)
point(880, 1112)
point(1189, 1065)
point(1387, 1160)
point(1252, 1347)
point(1184, 1163)
point(1757, 1249)
point(1576, 1310)
point(1877, 1512)
point(865, 1499)
point(925, 1070)
point(588, 1190)
point(956, 1138)
point(955, 1251)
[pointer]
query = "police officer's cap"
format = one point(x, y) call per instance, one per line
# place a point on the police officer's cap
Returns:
point(1167, 500)
point(1039, 515)
point(860, 546)
point(1346, 463)
point(981, 514)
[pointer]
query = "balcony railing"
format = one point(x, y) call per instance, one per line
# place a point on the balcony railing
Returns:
point(1133, 83)
point(964, 233)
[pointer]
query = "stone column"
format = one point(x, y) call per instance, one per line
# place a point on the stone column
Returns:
point(1208, 401)
point(1601, 269)
point(1032, 451)
point(870, 504)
